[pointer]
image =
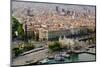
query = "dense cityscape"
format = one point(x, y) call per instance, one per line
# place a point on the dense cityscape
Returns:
point(44, 33)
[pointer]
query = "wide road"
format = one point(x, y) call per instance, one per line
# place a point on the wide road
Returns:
point(30, 58)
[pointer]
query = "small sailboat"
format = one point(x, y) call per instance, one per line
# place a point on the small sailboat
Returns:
point(59, 58)
point(65, 55)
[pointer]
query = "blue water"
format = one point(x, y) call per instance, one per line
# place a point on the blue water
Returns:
point(74, 58)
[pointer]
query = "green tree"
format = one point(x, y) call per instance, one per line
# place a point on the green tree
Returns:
point(55, 46)
point(20, 31)
point(29, 47)
point(17, 51)
point(17, 26)
point(15, 23)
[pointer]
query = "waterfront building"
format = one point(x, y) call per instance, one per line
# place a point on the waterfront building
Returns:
point(69, 42)
point(55, 33)
point(66, 42)
point(52, 34)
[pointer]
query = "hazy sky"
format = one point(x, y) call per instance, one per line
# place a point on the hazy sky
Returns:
point(38, 7)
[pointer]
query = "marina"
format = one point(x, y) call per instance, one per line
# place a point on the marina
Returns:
point(83, 57)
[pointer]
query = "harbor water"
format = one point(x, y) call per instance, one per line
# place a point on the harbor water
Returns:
point(73, 58)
